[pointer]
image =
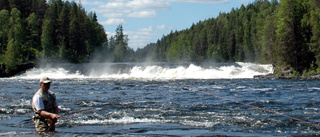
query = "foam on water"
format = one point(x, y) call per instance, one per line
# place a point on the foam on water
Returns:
point(131, 120)
point(123, 120)
point(11, 133)
point(56, 73)
point(154, 72)
point(199, 124)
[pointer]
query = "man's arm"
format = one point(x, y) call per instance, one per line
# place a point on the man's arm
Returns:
point(38, 102)
point(49, 115)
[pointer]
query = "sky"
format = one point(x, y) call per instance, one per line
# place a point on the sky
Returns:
point(146, 21)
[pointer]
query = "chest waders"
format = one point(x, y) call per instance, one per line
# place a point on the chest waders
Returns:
point(43, 124)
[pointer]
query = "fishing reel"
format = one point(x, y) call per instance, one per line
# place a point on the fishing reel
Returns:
point(49, 122)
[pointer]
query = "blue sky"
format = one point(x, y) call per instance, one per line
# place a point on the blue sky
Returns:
point(146, 21)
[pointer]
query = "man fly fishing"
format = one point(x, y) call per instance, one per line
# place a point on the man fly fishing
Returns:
point(45, 106)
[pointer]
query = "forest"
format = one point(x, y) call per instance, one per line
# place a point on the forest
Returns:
point(285, 33)
point(55, 30)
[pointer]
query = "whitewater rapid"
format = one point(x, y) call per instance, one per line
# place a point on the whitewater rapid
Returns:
point(163, 99)
point(137, 71)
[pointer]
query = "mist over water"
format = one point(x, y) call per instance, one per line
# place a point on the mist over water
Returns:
point(151, 71)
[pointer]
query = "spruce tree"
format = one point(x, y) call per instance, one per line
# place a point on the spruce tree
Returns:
point(63, 32)
point(121, 49)
point(315, 22)
point(33, 44)
point(286, 48)
point(292, 36)
point(47, 39)
point(13, 55)
point(4, 30)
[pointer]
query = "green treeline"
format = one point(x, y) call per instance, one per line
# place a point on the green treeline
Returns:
point(36, 29)
point(286, 34)
point(32, 30)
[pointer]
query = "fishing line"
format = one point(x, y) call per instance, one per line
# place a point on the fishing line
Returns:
point(255, 107)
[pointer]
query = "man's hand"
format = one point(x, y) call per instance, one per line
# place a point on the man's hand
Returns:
point(55, 117)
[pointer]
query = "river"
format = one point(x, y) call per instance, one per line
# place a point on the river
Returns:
point(163, 99)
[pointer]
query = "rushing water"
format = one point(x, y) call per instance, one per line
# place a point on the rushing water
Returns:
point(163, 99)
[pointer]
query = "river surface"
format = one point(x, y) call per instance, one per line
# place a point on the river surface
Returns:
point(163, 99)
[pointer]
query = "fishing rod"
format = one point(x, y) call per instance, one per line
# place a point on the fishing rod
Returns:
point(259, 108)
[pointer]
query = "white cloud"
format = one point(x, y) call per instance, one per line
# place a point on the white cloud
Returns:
point(128, 8)
point(164, 27)
point(115, 12)
point(161, 26)
point(92, 3)
point(113, 22)
point(148, 5)
point(142, 14)
point(140, 37)
point(201, 1)
point(244, 1)
point(113, 15)
point(137, 8)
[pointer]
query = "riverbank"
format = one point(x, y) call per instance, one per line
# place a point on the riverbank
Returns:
point(20, 69)
point(274, 76)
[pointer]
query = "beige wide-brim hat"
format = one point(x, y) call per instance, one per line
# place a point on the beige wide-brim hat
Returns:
point(45, 79)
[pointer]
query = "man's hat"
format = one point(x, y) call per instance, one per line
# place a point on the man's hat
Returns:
point(45, 79)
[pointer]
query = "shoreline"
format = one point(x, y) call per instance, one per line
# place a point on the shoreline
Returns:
point(273, 76)
point(21, 68)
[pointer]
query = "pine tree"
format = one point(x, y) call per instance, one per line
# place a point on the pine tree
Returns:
point(47, 39)
point(315, 21)
point(291, 48)
point(119, 37)
point(286, 45)
point(74, 32)
point(39, 7)
point(4, 29)
point(77, 33)
point(33, 44)
point(96, 36)
point(121, 49)
point(10, 58)
point(15, 48)
point(63, 32)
